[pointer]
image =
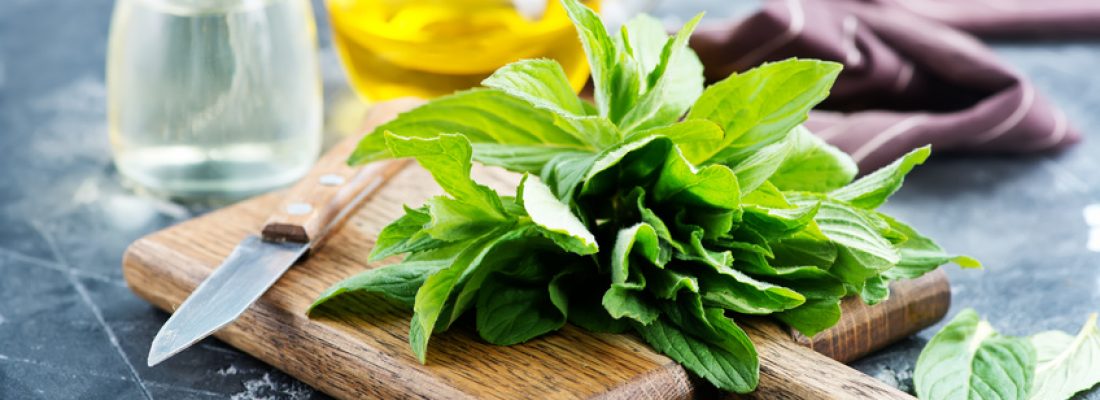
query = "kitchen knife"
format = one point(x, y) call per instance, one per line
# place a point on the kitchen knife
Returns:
point(310, 210)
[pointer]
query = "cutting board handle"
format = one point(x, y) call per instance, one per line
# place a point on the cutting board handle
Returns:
point(332, 189)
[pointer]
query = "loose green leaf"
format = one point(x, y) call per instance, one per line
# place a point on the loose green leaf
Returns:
point(1066, 364)
point(804, 248)
point(872, 190)
point(968, 360)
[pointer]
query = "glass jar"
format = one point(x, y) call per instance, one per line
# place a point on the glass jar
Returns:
point(429, 48)
point(213, 98)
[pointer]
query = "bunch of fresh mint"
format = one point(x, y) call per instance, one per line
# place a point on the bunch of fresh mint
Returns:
point(663, 208)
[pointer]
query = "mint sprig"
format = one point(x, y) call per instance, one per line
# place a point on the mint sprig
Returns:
point(662, 208)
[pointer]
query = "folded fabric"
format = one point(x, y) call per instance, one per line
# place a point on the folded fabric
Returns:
point(1010, 18)
point(909, 80)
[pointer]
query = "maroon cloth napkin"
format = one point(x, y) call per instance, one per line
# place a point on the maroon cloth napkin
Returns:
point(909, 77)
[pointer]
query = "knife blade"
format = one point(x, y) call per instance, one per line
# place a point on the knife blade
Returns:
point(309, 211)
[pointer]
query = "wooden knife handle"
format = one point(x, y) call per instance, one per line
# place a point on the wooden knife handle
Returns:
point(913, 305)
point(327, 194)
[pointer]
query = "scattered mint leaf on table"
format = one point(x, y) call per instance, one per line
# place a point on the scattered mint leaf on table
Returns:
point(969, 360)
point(1066, 364)
point(664, 208)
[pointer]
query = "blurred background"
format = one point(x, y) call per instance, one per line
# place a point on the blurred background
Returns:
point(70, 328)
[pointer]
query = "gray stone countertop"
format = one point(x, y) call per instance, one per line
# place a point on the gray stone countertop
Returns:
point(70, 328)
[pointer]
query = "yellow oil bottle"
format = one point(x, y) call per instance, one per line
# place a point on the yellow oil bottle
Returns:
point(429, 48)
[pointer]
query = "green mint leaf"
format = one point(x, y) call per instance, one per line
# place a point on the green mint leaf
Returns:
point(813, 165)
point(511, 312)
point(543, 84)
point(804, 248)
point(673, 84)
point(735, 291)
point(763, 105)
point(876, 289)
point(483, 116)
point(730, 363)
point(683, 133)
point(969, 360)
point(872, 190)
point(758, 167)
point(862, 252)
point(695, 138)
point(812, 282)
point(643, 37)
point(522, 253)
point(767, 212)
point(566, 171)
point(812, 317)
point(448, 158)
point(713, 186)
point(520, 158)
point(456, 220)
point(474, 209)
point(398, 282)
point(626, 302)
point(555, 219)
point(585, 293)
point(626, 297)
point(636, 241)
point(405, 235)
point(600, 49)
point(432, 297)
point(630, 163)
point(920, 255)
point(1066, 364)
point(666, 283)
point(540, 82)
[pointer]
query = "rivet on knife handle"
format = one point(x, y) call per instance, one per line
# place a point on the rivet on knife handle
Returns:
point(325, 196)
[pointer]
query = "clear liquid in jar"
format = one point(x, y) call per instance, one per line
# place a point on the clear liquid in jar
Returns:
point(213, 98)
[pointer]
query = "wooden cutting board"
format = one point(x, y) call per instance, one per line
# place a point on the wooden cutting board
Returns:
point(358, 347)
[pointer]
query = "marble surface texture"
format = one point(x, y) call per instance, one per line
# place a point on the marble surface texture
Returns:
point(71, 329)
